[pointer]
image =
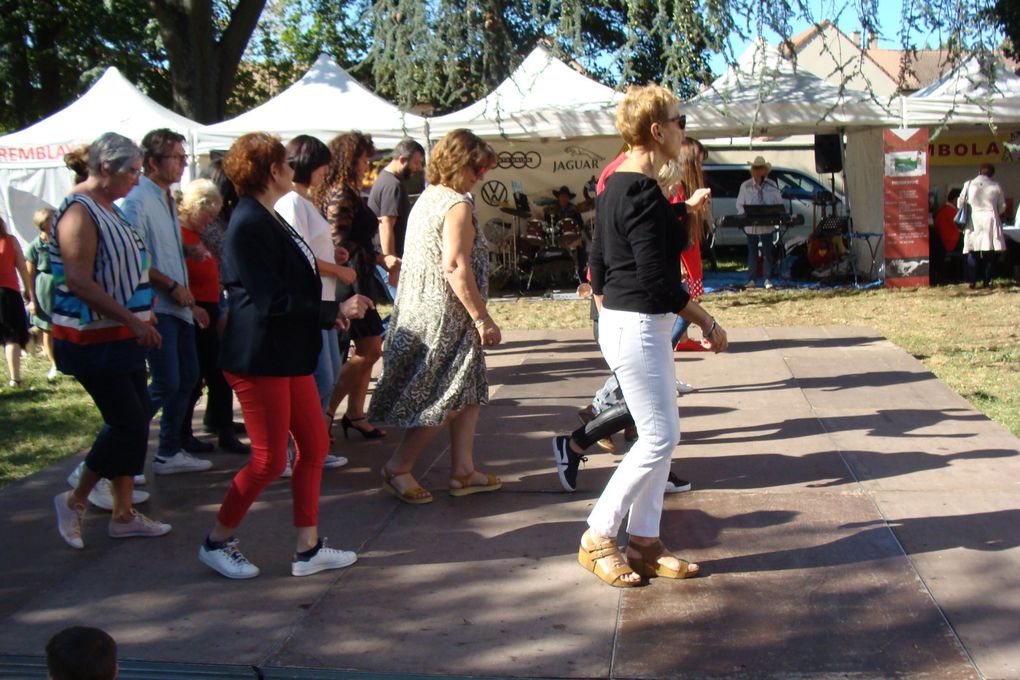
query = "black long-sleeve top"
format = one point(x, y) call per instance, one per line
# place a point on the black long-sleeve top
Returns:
point(635, 255)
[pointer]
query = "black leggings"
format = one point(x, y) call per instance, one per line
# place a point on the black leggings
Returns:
point(123, 401)
point(605, 424)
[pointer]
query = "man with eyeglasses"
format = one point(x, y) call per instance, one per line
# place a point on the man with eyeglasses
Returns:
point(151, 209)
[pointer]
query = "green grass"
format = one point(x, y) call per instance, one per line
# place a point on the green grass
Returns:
point(969, 339)
point(42, 422)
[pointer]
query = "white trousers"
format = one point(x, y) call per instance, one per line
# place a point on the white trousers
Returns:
point(637, 349)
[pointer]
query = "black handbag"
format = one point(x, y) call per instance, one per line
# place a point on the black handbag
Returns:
point(327, 314)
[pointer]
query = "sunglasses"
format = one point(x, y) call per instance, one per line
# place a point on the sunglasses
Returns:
point(680, 120)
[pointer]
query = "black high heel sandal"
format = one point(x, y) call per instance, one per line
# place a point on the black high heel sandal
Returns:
point(348, 423)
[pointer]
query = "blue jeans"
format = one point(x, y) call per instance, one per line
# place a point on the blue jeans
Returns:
point(327, 370)
point(681, 324)
point(384, 276)
point(752, 255)
point(174, 369)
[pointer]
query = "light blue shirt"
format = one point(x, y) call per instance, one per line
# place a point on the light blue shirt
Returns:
point(155, 220)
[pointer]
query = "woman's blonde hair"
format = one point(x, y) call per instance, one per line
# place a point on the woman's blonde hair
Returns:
point(669, 178)
point(457, 152)
point(643, 105)
point(200, 196)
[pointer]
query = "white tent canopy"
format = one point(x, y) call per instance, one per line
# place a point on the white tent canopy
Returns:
point(543, 97)
point(764, 94)
point(32, 172)
point(112, 104)
point(966, 95)
point(324, 102)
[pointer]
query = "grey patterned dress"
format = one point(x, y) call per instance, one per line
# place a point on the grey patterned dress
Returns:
point(432, 359)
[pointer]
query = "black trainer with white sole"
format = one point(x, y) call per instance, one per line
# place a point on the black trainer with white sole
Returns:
point(676, 485)
point(567, 462)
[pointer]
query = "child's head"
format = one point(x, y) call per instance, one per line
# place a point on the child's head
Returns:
point(81, 653)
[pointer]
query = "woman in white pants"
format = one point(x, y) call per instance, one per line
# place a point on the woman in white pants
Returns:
point(635, 276)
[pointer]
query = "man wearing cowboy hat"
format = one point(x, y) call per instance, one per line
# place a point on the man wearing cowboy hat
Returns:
point(759, 191)
point(565, 208)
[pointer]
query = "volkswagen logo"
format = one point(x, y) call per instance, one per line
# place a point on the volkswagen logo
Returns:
point(494, 192)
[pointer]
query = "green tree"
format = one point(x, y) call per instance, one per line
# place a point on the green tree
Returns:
point(204, 40)
point(1007, 14)
point(47, 58)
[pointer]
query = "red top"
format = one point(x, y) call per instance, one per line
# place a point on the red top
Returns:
point(204, 274)
point(609, 170)
point(8, 268)
point(946, 228)
point(691, 258)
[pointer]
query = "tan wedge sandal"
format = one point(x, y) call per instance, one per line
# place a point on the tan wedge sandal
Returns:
point(466, 488)
point(605, 561)
point(416, 495)
point(647, 563)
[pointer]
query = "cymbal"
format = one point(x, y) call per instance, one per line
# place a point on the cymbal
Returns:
point(515, 212)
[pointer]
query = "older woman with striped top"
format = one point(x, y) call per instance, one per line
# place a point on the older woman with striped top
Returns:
point(102, 332)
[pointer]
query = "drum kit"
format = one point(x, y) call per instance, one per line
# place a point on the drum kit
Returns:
point(531, 251)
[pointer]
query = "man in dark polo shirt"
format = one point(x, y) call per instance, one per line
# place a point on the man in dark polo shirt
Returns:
point(388, 200)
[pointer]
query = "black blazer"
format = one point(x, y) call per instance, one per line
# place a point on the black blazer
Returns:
point(273, 297)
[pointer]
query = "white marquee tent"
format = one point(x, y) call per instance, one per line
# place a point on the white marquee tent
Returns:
point(764, 94)
point(543, 97)
point(965, 96)
point(32, 172)
point(324, 102)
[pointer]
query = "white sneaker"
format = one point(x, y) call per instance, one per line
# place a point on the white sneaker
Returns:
point(683, 388)
point(288, 470)
point(101, 495)
point(325, 558)
point(228, 561)
point(750, 284)
point(768, 285)
point(182, 461)
point(69, 521)
point(332, 461)
point(140, 526)
point(52, 374)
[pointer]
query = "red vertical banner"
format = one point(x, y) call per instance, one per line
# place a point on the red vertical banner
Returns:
point(906, 207)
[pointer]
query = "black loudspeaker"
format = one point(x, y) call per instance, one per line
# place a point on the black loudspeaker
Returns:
point(827, 156)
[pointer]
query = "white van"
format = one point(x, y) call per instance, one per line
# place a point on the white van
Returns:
point(797, 188)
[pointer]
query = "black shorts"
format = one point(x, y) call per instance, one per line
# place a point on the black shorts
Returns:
point(367, 327)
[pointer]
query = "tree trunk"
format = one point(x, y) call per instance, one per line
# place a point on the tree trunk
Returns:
point(203, 64)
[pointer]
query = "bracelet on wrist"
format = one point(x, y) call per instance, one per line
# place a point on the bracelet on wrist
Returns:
point(172, 288)
point(480, 321)
point(711, 329)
